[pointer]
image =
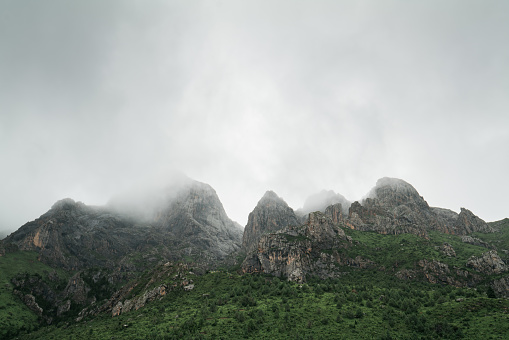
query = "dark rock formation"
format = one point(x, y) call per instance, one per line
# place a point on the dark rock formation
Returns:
point(474, 241)
point(501, 287)
point(439, 272)
point(296, 251)
point(394, 207)
point(446, 215)
point(468, 223)
point(270, 214)
point(447, 250)
point(488, 263)
point(196, 214)
point(188, 222)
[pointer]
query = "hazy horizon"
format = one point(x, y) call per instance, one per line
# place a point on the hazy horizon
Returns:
point(294, 97)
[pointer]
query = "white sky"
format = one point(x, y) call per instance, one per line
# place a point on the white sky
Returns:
point(247, 96)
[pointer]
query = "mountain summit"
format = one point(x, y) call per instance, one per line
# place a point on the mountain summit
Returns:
point(186, 221)
point(270, 214)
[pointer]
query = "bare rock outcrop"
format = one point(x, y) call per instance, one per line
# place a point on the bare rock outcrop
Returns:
point(488, 263)
point(468, 223)
point(297, 251)
point(474, 241)
point(393, 206)
point(501, 287)
point(447, 250)
point(187, 220)
point(270, 215)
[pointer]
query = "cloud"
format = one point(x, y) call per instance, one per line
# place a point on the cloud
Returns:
point(289, 96)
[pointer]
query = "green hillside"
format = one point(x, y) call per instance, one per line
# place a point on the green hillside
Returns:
point(14, 315)
point(360, 305)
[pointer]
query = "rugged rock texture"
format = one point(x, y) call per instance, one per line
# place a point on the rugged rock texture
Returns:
point(437, 272)
point(447, 215)
point(197, 215)
point(294, 252)
point(468, 223)
point(270, 214)
point(126, 299)
point(447, 250)
point(488, 263)
point(474, 241)
point(189, 222)
point(335, 213)
point(76, 289)
point(501, 287)
point(394, 207)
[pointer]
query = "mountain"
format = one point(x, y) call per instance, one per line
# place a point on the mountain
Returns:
point(392, 207)
point(169, 262)
point(292, 252)
point(270, 214)
point(186, 221)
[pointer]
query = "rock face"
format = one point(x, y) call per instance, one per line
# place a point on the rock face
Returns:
point(394, 207)
point(489, 263)
point(501, 287)
point(187, 222)
point(474, 241)
point(468, 223)
point(447, 250)
point(296, 251)
point(197, 215)
point(270, 215)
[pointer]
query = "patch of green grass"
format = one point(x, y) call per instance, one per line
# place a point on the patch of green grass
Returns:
point(360, 305)
point(14, 315)
point(499, 239)
point(403, 251)
point(298, 238)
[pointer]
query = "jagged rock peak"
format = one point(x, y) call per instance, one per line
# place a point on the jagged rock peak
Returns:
point(392, 184)
point(271, 196)
point(393, 191)
point(65, 203)
point(467, 223)
point(270, 214)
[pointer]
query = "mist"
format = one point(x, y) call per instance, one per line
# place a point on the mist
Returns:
point(323, 199)
point(294, 97)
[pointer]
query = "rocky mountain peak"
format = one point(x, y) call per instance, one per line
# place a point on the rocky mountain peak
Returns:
point(65, 204)
point(393, 192)
point(184, 220)
point(270, 214)
point(270, 196)
point(467, 223)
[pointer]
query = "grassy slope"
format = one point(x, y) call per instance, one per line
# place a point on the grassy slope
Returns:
point(403, 251)
point(368, 304)
point(500, 239)
point(14, 315)
point(362, 305)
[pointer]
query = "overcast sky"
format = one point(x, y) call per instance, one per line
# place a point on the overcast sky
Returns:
point(247, 96)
